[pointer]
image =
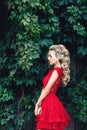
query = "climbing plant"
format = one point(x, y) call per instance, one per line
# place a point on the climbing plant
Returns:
point(32, 27)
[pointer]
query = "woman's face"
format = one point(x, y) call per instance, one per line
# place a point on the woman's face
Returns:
point(52, 59)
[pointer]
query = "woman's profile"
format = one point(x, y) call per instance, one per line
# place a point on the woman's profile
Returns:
point(49, 110)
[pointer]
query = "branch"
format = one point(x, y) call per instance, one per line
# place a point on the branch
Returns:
point(19, 103)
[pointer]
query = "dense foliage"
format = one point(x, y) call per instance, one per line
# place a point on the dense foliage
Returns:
point(32, 27)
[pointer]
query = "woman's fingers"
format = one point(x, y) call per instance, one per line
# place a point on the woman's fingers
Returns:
point(37, 110)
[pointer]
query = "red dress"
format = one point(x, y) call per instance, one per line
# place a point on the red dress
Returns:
point(53, 115)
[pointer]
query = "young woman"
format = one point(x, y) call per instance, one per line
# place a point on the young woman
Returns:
point(49, 111)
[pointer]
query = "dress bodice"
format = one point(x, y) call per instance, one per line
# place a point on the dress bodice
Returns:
point(57, 82)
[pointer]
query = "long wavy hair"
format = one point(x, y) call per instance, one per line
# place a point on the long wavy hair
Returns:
point(64, 57)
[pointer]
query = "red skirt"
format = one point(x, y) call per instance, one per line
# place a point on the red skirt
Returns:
point(53, 116)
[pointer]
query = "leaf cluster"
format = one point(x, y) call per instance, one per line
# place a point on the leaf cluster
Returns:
point(32, 27)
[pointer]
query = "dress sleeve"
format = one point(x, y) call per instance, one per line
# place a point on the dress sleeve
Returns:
point(57, 70)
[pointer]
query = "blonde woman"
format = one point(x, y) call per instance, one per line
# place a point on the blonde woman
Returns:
point(49, 111)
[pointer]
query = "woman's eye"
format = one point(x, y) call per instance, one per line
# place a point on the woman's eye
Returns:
point(49, 56)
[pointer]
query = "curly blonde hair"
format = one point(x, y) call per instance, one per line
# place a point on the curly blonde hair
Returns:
point(64, 58)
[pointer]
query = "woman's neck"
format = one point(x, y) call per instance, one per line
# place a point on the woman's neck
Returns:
point(57, 65)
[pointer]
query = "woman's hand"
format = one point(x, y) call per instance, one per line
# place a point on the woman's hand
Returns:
point(37, 109)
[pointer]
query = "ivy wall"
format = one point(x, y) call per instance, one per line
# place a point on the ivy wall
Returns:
point(30, 27)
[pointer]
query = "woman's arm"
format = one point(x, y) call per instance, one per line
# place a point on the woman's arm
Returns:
point(45, 91)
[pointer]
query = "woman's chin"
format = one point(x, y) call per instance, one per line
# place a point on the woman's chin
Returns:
point(50, 64)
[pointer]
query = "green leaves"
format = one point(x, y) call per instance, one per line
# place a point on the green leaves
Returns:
point(34, 25)
point(76, 14)
point(82, 50)
point(30, 24)
point(77, 92)
point(54, 22)
point(27, 53)
point(7, 114)
point(45, 42)
point(5, 95)
point(80, 29)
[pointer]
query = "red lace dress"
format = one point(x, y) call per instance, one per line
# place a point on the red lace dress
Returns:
point(53, 116)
